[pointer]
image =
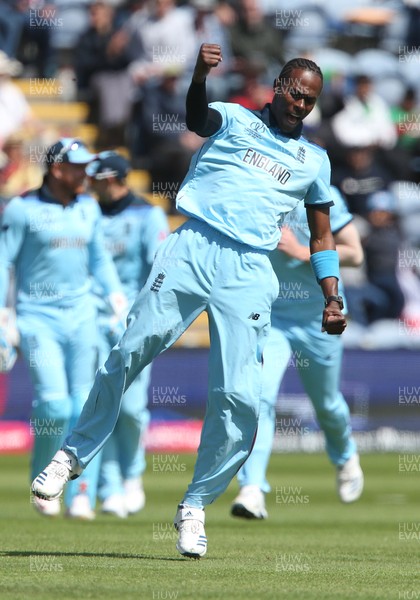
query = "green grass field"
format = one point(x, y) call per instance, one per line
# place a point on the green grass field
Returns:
point(311, 547)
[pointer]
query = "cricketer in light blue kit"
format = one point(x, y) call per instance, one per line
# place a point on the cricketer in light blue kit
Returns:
point(296, 330)
point(252, 170)
point(133, 230)
point(52, 238)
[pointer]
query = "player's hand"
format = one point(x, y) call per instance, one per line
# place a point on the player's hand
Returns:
point(333, 320)
point(120, 307)
point(8, 326)
point(290, 245)
point(8, 355)
point(117, 43)
point(9, 339)
point(208, 57)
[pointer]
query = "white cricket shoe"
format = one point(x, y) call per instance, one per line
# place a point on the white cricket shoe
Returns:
point(249, 503)
point(47, 508)
point(192, 540)
point(135, 498)
point(80, 508)
point(115, 505)
point(49, 484)
point(350, 480)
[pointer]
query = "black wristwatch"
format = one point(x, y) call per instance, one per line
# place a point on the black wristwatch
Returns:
point(338, 299)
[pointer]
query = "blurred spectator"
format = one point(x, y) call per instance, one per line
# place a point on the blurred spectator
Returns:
point(15, 112)
point(365, 119)
point(381, 296)
point(166, 142)
point(69, 22)
point(409, 281)
point(253, 94)
point(92, 52)
point(18, 174)
point(403, 161)
point(36, 52)
point(207, 25)
point(102, 76)
point(360, 176)
point(133, 17)
point(156, 36)
point(331, 100)
point(330, 103)
point(226, 13)
point(160, 37)
point(12, 21)
point(412, 38)
point(406, 117)
point(253, 38)
point(3, 163)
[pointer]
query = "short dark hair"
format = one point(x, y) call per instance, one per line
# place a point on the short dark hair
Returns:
point(300, 63)
point(362, 78)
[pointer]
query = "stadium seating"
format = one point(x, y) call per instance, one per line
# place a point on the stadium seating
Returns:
point(376, 63)
point(391, 89)
point(310, 30)
point(407, 194)
point(333, 60)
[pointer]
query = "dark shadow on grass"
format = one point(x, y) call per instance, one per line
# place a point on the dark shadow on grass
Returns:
point(122, 555)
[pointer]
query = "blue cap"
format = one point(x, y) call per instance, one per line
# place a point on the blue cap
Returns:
point(382, 200)
point(108, 164)
point(68, 150)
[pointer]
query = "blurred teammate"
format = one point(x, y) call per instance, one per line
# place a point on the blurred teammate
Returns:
point(253, 169)
point(133, 230)
point(295, 329)
point(51, 236)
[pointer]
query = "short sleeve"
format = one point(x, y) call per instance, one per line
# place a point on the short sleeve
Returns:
point(320, 190)
point(225, 111)
point(339, 213)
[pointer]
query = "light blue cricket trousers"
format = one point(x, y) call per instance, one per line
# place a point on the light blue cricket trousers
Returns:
point(196, 269)
point(59, 346)
point(123, 456)
point(318, 359)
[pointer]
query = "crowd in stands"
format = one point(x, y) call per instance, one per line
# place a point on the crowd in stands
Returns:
point(131, 62)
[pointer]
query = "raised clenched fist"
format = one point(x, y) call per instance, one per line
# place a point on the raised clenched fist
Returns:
point(208, 57)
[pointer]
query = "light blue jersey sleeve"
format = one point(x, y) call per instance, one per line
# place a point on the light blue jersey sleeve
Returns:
point(11, 239)
point(320, 190)
point(101, 265)
point(339, 214)
point(221, 107)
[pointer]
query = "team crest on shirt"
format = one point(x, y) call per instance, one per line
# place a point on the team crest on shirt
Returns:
point(301, 154)
point(157, 283)
point(255, 129)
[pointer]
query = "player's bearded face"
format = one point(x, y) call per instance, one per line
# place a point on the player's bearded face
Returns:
point(294, 98)
point(73, 177)
point(101, 190)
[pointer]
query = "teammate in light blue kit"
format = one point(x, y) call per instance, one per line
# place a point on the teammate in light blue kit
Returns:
point(253, 169)
point(133, 230)
point(51, 236)
point(295, 328)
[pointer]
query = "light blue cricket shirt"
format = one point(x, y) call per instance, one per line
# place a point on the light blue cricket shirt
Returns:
point(248, 176)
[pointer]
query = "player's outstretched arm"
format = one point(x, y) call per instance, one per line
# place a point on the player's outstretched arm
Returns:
point(324, 260)
point(200, 118)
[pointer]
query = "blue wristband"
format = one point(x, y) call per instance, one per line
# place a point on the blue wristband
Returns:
point(325, 264)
